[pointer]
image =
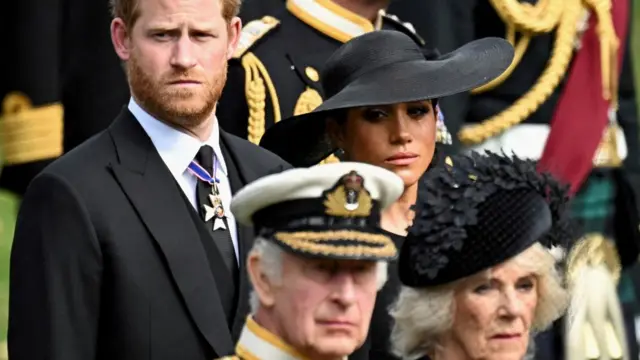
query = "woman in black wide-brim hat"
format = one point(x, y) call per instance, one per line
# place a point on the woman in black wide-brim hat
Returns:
point(380, 103)
point(479, 265)
point(380, 108)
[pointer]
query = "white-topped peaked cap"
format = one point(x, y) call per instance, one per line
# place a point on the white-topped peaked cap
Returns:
point(325, 210)
point(382, 184)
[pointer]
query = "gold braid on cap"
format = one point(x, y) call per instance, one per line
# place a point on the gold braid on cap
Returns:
point(319, 243)
point(564, 16)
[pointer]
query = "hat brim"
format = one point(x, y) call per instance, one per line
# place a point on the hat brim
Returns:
point(338, 245)
point(303, 141)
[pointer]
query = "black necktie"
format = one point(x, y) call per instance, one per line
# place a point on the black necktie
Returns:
point(206, 194)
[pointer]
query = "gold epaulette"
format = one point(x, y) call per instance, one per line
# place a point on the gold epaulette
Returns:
point(593, 250)
point(596, 328)
point(257, 82)
point(257, 79)
point(310, 99)
point(254, 31)
point(30, 133)
point(563, 16)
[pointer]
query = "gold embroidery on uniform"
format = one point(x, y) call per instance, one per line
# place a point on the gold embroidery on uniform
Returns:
point(324, 25)
point(246, 353)
point(448, 161)
point(30, 133)
point(256, 77)
point(593, 250)
point(312, 243)
point(607, 152)
point(564, 16)
point(597, 329)
point(307, 102)
point(330, 160)
point(312, 73)
point(313, 236)
point(349, 198)
point(271, 338)
point(337, 199)
point(254, 31)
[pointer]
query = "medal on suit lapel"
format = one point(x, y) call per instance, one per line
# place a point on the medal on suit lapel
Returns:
point(214, 211)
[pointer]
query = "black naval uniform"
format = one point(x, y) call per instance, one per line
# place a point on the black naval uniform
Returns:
point(255, 9)
point(459, 22)
point(62, 82)
point(275, 71)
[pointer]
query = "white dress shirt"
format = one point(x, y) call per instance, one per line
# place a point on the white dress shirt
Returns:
point(177, 149)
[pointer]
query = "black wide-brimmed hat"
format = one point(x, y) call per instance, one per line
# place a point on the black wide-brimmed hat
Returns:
point(380, 68)
point(479, 212)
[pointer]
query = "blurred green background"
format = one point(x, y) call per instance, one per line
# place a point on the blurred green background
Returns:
point(8, 208)
point(9, 203)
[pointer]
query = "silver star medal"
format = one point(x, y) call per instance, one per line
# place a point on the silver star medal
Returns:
point(215, 212)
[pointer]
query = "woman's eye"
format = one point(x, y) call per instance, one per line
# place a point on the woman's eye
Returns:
point(526, 285)
point(373, 114)
point(417, 111)
point(482, 289)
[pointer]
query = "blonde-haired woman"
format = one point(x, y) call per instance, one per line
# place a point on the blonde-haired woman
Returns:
point(478, 268)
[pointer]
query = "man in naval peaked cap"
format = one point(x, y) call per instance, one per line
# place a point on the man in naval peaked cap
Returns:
point(318, 260)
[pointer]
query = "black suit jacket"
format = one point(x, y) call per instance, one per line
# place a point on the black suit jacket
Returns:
point(107, 262)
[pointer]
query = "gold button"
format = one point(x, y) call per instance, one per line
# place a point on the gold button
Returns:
point(269, 20)
point(312, 73)
point(448, 161)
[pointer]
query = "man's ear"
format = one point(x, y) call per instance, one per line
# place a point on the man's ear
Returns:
point(262, 285)
point(120, 37)
point(235, 27)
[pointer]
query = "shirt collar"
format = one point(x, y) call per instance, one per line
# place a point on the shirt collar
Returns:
point(176, 148)
point(330, 18)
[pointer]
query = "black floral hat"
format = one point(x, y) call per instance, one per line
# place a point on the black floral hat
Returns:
point(479, 211)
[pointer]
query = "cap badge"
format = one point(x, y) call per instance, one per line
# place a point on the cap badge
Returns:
point(348, 198)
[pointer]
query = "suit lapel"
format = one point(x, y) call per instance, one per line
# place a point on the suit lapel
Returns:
point(239, 176)
point(156, 196)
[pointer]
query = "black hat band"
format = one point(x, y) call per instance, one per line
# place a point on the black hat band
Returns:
point(311, 214)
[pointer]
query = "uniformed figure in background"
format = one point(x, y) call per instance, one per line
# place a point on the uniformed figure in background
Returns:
point(255, 9)
point(318, 261)
point(568, 100)
point(60, 83)
point(274, 74)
